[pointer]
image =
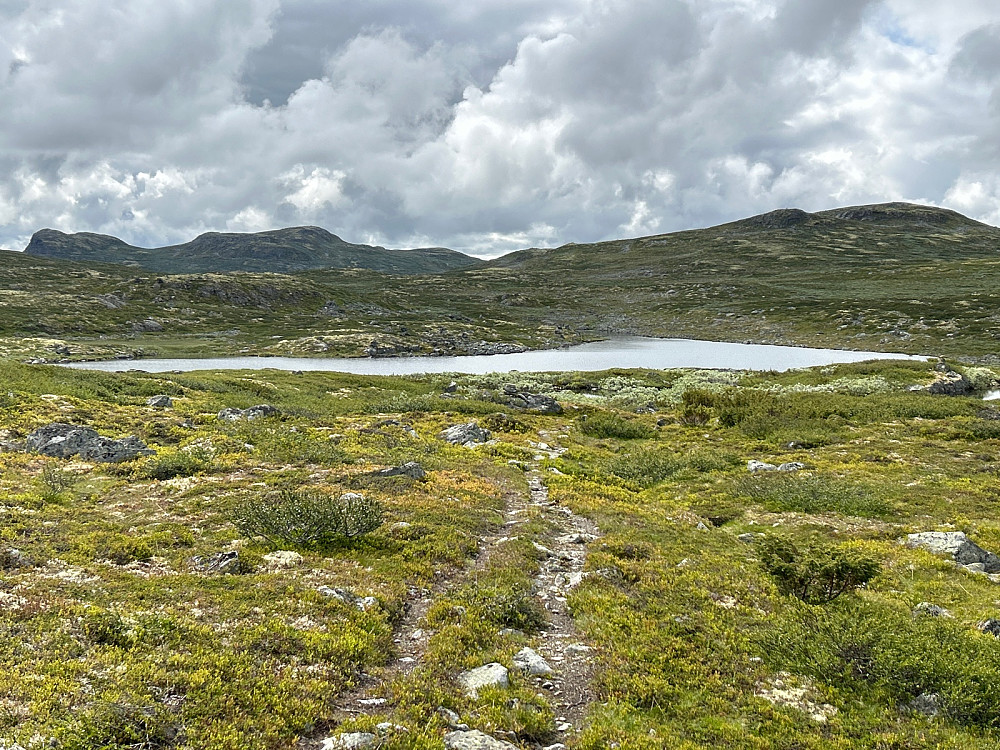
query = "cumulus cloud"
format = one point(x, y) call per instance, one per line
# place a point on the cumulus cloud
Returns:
point(489, 126)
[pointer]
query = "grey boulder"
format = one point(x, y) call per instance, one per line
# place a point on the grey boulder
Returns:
point(530, 662)
point(467, 434)
point(950, 383)
point(66, 440)
point(349, 741)
point(956, 545)
point(410, 469)
point(488, 675)
point(162, 401)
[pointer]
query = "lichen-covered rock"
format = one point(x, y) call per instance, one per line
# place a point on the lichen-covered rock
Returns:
point(260, 411)
point(282, 558)
point(475, 740)
point(410, 469)
point(754, 466)
point(488, 675)
point(530, 401)
point(66, 440)
point(956, 545)
point(220, 563)
point(530, 662)
point(951, 383)
point(467, 434)
point(791, 466)
point(364, 603)
point(160, 402)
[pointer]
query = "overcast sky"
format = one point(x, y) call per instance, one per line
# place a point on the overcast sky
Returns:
point(488, 125)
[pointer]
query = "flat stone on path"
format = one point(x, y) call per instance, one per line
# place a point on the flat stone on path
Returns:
point(475, 740)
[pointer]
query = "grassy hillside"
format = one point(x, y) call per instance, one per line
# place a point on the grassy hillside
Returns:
point(667, 623)
point(277, 251)
point(895, 277)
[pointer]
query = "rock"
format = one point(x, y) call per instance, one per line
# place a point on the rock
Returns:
point(530, 401)
point(107, 451)
point(792, 466)
point(147, 326)
point(990, 627)
point(410, 469)
point(578, 648)
point(958, 546)
point(66, 440)
point(475, 740)
point(229, 414)
point(467, 434)
point(933, 610)
point(59, 440)
point(452, 719)
point(221, 563)
point(749, 537)
point(364, 603)
point(488, 675)
point(161, 402)
point(450, 388)
point(928, 704)
point(349, 741)
point(754, 466)
point(531, 663)
point(950, 383)
point(282, 559)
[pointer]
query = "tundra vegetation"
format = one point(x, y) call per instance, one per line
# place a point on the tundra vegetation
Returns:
point(245, 585)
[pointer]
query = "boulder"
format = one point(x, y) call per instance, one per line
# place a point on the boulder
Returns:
point(792, 466)
point(232, 414)
point(467, 434)
point(107, 451)
point(488, 675)
point(530, 401)
point(162, 401)
point(282, 558)
point(933, 610)
point(65, 441)
point(364, 603)
point(754, 466)
point(951, 383)
point(956, 545)
point(928, 704)
point(59, 440)
point(990, 627)
point(475, 740)
point(531, 663)
point(410, 469)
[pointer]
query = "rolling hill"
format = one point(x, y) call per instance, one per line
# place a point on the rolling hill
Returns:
point(277, 251)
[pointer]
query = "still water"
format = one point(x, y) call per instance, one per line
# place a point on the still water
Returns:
point(623, 352)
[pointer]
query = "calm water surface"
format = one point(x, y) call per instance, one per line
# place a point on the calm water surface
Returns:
point(626, 352)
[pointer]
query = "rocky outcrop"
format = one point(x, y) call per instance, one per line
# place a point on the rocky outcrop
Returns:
point(951, 383)
point(468, 434)
point(410, 469)
point(66, 440)
point(956, 545)
point(530, 401)
point(754, 466)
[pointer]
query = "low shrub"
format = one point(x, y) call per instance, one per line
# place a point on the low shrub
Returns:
point(783, 493)
point(307, 519)
point(608, 425)
point(815, 571)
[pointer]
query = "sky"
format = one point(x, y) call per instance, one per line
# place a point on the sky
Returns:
point(487, 126)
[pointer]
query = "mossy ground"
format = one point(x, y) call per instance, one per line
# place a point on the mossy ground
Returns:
point(115, 639)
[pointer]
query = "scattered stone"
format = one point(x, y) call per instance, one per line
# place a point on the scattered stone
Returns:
point(556, 746)
point(958, 546)
point(928, 704)
point(933, 610)
point(260, 411)
point(220, 563)
point(387, 727)
point(530, 662)
point(579, 538)
point(475, 740)
point(65, 441)
point(162, 401)
point(468, 434)
point(488, 675)
point(410, 469)
point(564, 726)
point(701, 526)
point(349, 741)
point(578, 648)
point(991, 627)
point(364, 603)
point(754, 466)
point(282, 558)
point(792, 466)
point(452, 719)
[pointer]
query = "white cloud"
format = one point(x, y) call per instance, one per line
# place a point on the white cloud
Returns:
point(492, 125)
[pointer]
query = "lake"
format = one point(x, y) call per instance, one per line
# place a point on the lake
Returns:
point(621, 352)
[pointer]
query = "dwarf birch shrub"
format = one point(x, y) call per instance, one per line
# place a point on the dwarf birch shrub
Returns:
point(814, 571)
point(307, 519)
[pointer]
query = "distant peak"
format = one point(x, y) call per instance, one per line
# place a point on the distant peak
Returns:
point(781, 218)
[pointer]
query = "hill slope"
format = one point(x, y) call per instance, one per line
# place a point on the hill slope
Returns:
point(277, 251)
